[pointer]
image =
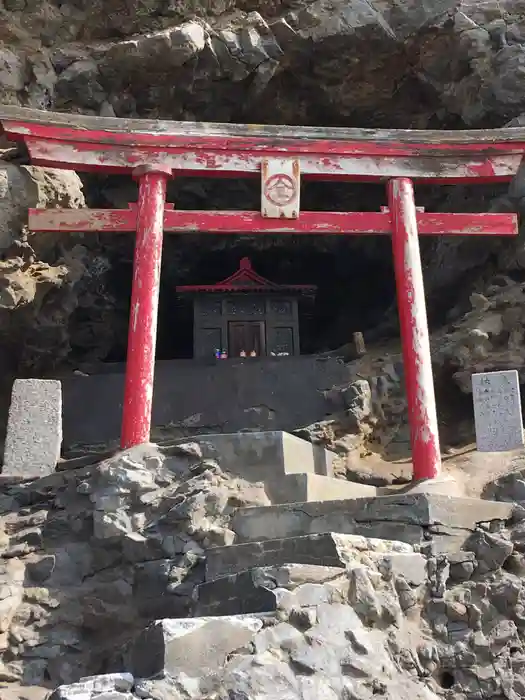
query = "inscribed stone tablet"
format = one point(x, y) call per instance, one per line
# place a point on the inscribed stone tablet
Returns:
point(497, 411)
point(34, 428)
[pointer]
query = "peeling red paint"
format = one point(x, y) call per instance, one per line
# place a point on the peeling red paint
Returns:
point(485, 169)
point(417, 363)
point(384, 154)
point(315, 165)
point(381, 142)
point(140, 363)
point(308, 223)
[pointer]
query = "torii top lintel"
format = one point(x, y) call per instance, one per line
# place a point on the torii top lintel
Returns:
point(87, 143)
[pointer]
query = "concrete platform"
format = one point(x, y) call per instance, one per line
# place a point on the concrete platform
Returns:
point(411, 518)
point(328, 549)
point(298, 488)
point(190, 396)
point(259, 456)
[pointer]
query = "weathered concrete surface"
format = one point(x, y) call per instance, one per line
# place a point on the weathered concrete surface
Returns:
point(296, 488)
point(327, 549)
point(323, 460)
point(408, 518)
point(215, 397)
point(34, 428)
point(172, 646)
point(259, 456)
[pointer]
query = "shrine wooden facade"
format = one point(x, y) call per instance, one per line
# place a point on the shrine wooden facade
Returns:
point(246, 315)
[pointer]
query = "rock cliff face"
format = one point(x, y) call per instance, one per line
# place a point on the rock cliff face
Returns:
point(97, 561)
point(102, 550)
point(386, 63)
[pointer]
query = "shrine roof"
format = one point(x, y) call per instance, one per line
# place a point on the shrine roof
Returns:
point(245, 279)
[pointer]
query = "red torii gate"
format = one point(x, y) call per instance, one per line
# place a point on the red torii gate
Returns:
point(153, 151)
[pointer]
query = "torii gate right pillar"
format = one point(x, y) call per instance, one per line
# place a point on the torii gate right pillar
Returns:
point(422, 414)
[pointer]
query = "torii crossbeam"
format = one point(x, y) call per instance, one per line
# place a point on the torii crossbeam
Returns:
point(281, 156)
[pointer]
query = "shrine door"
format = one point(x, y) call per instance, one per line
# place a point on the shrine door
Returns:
point(248, 336)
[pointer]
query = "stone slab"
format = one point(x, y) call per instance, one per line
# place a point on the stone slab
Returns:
point(448, 540)
point(104, 686)
point(261, 589)
point(258, 456)
point(182, 645)
point(34, 428)
point(296, 488)
point(405, 517)
point(237, 594)
point(326, 549)
point(497, 411)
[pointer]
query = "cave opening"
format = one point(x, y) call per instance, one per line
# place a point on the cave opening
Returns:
point(354, 277)
point(446, 680)
point(455, 409)
point(353, 274)
point(355, 287)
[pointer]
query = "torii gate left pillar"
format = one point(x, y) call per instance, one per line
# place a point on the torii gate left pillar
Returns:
point(142, 334)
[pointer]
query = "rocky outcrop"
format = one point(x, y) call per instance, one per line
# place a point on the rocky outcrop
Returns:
point(116, 60)
point(488, 337)
point(42, 303)
point(91, 555)
point(104, 565)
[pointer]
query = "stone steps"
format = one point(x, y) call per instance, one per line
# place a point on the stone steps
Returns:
point(175, 645)
point(418, 518)
point(260, 590)
point(257, 456)
point(293, 470)
point(328, 539)
point(250, 578)
point(299, 488)
point(327, 549)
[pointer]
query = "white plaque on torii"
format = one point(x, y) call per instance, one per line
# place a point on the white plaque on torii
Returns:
point(280, 188)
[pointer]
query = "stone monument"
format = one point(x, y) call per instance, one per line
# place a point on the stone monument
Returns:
point(497, 411)
point(34, 428)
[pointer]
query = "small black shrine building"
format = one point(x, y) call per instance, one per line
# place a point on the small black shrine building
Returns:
point(246, 315)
